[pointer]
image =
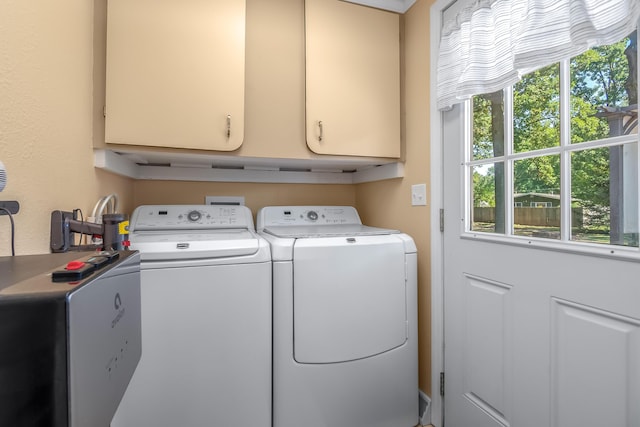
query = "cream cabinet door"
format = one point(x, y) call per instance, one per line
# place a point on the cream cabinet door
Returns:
point(175, 73)
point(352, 79)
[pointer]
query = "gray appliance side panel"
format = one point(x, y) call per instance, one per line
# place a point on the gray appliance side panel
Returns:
point(207, 348)
point(104, 320)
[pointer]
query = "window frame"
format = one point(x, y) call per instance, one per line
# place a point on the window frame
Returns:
point(564, 150)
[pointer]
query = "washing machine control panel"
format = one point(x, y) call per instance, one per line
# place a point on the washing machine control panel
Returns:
point(305, 215)
point(175, 217)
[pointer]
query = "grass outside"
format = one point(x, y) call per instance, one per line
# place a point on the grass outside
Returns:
point(588, 235)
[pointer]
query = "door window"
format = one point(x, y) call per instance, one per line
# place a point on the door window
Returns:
point(555, 156)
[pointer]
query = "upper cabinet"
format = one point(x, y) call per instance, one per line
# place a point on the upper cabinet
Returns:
point(352, 79)
point(175, 73)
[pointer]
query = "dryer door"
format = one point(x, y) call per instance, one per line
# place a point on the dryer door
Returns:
point(349, 297)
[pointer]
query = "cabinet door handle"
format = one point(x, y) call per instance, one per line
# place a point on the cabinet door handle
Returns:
point(321, 131)
point(229, 126)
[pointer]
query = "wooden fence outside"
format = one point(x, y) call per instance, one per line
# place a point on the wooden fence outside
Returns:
point(543, 217)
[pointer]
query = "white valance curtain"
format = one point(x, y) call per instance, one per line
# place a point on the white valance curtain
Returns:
point(490, 44)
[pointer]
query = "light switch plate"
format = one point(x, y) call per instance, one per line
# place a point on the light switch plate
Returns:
point(419, 195)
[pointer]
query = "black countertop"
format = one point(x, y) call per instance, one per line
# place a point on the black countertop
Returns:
point(15, 269)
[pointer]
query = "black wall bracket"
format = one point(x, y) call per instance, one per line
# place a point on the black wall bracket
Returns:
point(12, 206)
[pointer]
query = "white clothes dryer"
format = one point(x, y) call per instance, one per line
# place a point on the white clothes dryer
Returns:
point(206, 320)
point(345, 348)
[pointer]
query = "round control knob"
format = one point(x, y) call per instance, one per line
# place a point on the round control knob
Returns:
point(194, 216)
point(312, 215)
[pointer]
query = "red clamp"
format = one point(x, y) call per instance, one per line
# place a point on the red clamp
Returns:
point(74, 265)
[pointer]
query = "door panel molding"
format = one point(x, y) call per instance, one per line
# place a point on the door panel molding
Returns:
point(605, 344)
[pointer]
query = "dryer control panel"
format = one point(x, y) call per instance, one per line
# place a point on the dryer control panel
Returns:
point(307, 215)
point(189, 217)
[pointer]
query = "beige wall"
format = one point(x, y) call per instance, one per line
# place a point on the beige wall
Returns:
point(51, 97)
point(256, 195)
point(46, 104)
point(274, 90)
point(388, 203)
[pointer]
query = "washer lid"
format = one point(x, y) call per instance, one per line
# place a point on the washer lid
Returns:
point(340, 230)
point(163, 245)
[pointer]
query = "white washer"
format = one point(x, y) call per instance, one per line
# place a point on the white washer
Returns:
point(344, 319)
point(206, 320)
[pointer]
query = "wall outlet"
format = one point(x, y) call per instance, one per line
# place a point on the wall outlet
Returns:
point(11, 206)
point(419, 195)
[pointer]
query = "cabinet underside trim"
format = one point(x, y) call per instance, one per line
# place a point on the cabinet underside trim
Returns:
point(239, 169)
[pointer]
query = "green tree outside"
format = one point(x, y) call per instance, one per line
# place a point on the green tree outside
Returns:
point(599, 78)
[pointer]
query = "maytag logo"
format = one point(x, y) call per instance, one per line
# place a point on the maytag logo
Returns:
point(117, 304)
point(182, 246)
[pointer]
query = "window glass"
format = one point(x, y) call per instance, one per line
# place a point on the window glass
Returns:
point(488, 126)
point(562, 115)
point(604, 91)
point(536, 188)
point(488, 198)
point(604, 195)
point(536, 110)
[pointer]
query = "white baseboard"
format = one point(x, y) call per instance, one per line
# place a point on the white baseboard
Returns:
point(424, 408)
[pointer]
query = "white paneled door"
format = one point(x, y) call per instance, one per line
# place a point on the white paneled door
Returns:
point(535, 334)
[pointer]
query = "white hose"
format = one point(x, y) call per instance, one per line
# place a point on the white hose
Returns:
point(110, 203)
